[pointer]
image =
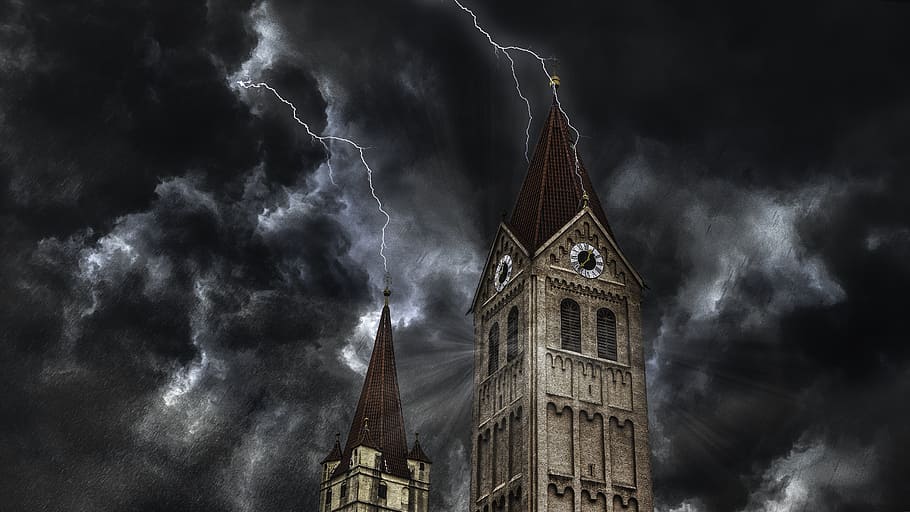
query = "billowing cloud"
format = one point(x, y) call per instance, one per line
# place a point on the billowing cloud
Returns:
point(190, 298)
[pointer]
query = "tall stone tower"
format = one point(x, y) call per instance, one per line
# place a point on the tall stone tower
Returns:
point(375, 471)
point(560, 418)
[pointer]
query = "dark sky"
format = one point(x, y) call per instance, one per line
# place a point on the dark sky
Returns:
point(188, 301)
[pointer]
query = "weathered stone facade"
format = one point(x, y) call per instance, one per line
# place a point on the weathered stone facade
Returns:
point(560, 420)
point(555, 429)
point(360, 489)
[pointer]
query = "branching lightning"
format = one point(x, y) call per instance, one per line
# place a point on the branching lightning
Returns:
point(324, 140)
point(543, 65)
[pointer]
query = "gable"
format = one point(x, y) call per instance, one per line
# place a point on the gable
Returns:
point(504, 243)
point(586, 228)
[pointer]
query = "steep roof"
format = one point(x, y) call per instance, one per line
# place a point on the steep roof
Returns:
point(335, 454)
point(551, 194)
point(416, 452)
point(378, 422)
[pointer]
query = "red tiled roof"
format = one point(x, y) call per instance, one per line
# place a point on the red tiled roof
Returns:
point(378, 422)
point(551, 194)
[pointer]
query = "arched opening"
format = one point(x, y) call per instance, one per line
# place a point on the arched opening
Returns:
point(606, 334)
point(493, 363)
point(570, 325)
point(512, 335)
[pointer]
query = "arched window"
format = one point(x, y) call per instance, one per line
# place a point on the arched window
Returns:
point(494, 349)
point(606, 334)
point(512, 335)
point(570, 325)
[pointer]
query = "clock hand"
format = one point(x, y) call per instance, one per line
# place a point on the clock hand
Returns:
point(587, 259)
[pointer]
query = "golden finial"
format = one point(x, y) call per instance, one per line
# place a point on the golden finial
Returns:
point(554, 81)
point(584, 199)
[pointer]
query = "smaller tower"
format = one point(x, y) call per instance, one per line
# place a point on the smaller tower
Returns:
point(419, 465)
point(375, 470)
point(330, 462)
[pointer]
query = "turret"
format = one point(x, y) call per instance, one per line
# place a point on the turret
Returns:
point(330, 462)
point(418, 462)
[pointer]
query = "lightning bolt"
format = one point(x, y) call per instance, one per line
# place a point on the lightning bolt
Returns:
point(543, 65)
point(325, 140)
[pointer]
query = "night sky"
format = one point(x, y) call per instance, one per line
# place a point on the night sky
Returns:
point(188, 302)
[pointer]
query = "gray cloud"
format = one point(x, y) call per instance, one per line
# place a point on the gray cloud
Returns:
point(190, 299)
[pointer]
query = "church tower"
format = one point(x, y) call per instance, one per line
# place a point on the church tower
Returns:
point(375, 471)
point(560, 417)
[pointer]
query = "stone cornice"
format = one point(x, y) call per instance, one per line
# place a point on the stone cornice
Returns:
point(586, 290)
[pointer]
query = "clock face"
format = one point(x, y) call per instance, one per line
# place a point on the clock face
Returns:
point(503, 272)
point(587, 260)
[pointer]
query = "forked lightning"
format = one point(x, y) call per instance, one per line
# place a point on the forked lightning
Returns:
point(324, 139)
point(543, 65)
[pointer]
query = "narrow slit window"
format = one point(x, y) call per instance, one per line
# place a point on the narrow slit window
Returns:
point(512, 335)
point(606, 334)
point(494, 349)
point(570, 325)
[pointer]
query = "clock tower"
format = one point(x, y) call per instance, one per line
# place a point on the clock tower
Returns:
point(560, 416)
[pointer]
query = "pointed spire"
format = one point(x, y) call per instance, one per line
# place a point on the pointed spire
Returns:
point(335, 454)
point(378, 422)
point(416, 452)
point(552, 192)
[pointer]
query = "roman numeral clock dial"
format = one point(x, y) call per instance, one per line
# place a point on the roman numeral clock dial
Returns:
point(587, 260)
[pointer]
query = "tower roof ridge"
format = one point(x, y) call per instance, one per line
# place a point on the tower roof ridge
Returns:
point(378, 421)
point(552, 192)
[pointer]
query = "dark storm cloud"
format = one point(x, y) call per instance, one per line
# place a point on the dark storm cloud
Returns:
point(189, 298)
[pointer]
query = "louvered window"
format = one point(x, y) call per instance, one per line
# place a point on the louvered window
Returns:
point(494, 349)
point(512, 335)
point(570, 325)
point(606, 334)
